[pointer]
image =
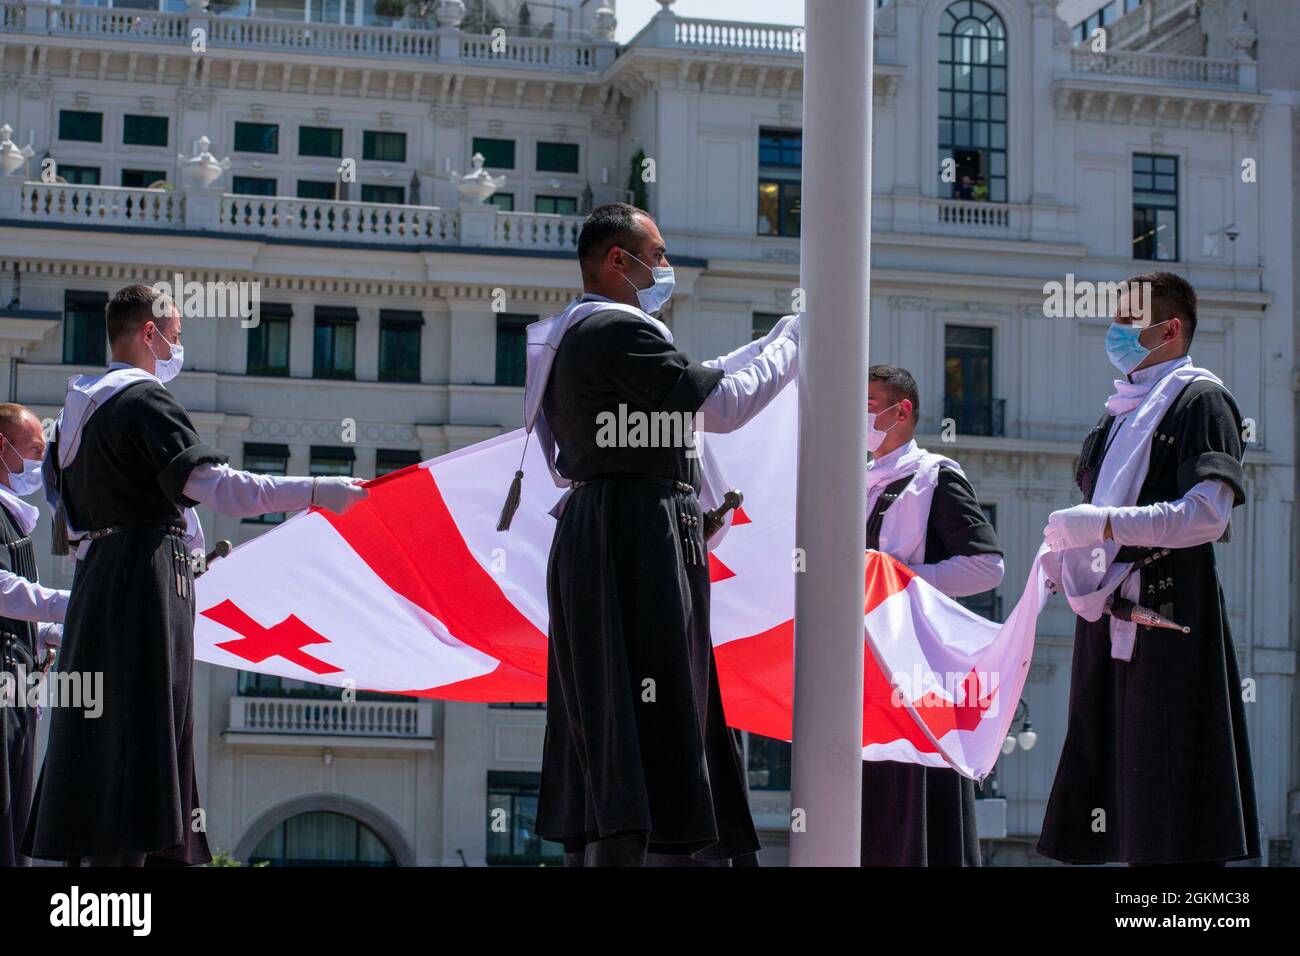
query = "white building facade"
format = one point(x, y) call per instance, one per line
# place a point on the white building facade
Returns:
point(393, 303)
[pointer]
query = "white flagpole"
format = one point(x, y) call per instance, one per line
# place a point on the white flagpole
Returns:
point(826, 797)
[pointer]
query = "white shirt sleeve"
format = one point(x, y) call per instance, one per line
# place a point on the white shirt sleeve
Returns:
point(24, 600)
point(738, 359)
point(746, 391)
point(1199, 516)
point(242, 494)
point(47, 636)
point(964, 574)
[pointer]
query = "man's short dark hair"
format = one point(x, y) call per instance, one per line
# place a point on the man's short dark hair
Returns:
point(127, 311)
point(613, 224)
point(1171, 295)
point(900, 383)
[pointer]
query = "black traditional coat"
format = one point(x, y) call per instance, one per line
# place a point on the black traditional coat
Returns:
point(914, 815)
point(1156, 763)
point(636, 738)
point(125, 782)
point(18, 658)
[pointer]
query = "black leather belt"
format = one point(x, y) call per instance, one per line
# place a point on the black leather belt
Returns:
point(688, 512)
point(116, 528)
point(660, 480)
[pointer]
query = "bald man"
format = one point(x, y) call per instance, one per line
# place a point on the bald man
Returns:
point(30, 620)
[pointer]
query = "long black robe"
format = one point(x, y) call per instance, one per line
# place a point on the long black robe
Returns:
point(914, 815)
point(125, 782)
point(18, 658)
point(1158, 744)
point(626, 606)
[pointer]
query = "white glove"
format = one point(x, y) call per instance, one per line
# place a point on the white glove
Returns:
point(337, 493)
point(1077, 527)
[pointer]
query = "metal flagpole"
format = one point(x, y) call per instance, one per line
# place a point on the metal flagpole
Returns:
point(826, 797)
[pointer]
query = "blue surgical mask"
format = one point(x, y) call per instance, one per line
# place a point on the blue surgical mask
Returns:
point(1123, 348)
point(655, 297)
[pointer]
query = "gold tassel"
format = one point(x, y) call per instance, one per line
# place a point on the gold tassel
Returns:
point(511, 503)
point(59, 544)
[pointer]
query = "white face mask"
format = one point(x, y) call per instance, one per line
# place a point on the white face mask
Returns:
point(168, 368)
point(24, 482)
point(655, 297)
point(876, 436)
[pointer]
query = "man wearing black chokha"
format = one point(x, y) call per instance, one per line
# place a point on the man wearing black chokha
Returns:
point(30, 627)
point(1155, 767)
point(922, 510)
point(637, 757)
point(123, 472)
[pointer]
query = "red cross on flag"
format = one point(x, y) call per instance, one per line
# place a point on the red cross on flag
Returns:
point(415, 592)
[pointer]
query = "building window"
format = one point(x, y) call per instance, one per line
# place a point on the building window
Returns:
point(512, 838)
point(780, 159)
point(1084, 29)
point(322, 838)
point(80, 175)
point(512, 343)
point(257, 137)
point(142, 178)
point(84, 334)
point(505, 202)
point(144, 130)
point(396, 195)
point(81, 126)
point(253, 186)
point(335, 343)
point(972, 103)
point(329, 460)
point(557, 157)
point(320, 141)
point(559, 205)
point(1155, 207)
point(762, 323)
point(968, 381)
point(264, 459)
point(315, 189)
point(268, 341)
point(497, 153)
point(384, 147)
point(987, 604)
point(399, 345)
point(388, 460)
point(768, 763)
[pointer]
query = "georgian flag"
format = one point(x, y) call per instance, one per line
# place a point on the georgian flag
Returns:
point(415, 592)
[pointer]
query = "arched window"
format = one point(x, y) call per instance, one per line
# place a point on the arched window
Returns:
point(322, 838)
point(972, 102)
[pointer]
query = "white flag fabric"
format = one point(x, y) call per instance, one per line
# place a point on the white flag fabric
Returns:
point(414, 591)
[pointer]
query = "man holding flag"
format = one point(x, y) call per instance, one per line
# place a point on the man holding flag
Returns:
point(123, 472)
point(1156, 763)
point(637, 755)
point(923, 511)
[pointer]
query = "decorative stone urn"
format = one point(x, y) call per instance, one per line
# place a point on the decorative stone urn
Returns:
point(12, 156)
point(476, 186)
point(203, 169)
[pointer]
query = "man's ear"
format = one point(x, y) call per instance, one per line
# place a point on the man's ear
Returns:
point(906, 404)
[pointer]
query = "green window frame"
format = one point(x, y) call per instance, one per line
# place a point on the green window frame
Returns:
point(334, 343)
point(80, 175)
point(557, 157)
point(268, 341)
point(320, 141)
point(253, 186)
point(375, 192)
point(512, 344)
point(556, 205)
point(1155, 207)
point(399, 345)
point(332, 460)
point(81, 126)
point(383, 146)
point(497, 153)
point(142, 178)
point(505, 202)
point(138, 130)
point(85, 336)
point(316, 189)
point(257, 137)
point(388, 460)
